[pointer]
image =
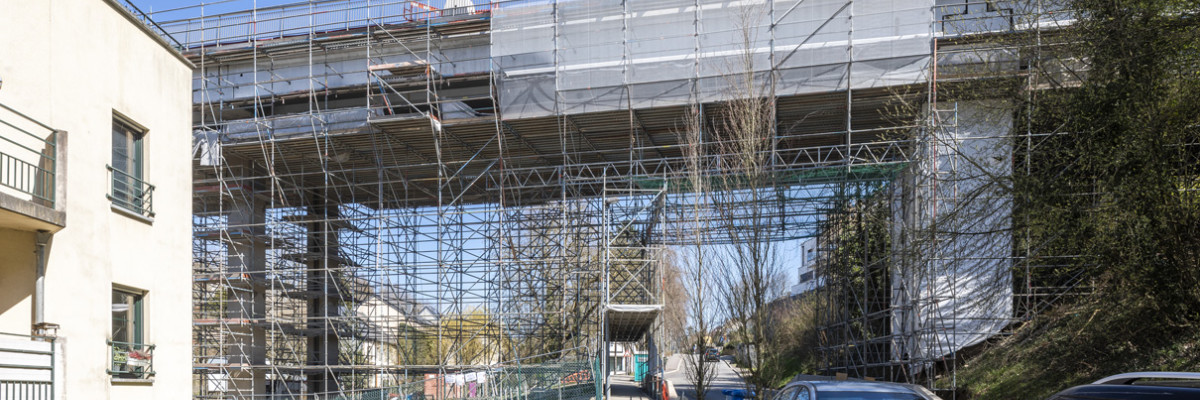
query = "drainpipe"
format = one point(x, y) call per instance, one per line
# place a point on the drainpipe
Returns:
point(39, 291)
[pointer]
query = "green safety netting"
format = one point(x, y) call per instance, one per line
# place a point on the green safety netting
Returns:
point(565, 380)
point(839, 174)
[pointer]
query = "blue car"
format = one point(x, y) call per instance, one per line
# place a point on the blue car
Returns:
point(712, 355)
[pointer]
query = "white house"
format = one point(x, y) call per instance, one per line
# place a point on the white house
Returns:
point(806, 273)
point(95, 205)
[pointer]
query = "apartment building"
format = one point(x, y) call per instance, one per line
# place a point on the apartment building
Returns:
point(95, 205)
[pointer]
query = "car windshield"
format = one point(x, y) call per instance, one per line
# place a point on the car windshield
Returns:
point(866, 396)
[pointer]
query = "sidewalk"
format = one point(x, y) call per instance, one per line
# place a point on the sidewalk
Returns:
point(624, 388)
point(673, 363)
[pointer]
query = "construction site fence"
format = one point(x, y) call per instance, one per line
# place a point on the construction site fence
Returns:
point(571, 380)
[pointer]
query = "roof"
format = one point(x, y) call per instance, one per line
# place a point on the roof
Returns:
point(829, 383)
point(150, 32)
point(1139, 385)
point(1125, 392)
point(860, 386)
point(1132, 377)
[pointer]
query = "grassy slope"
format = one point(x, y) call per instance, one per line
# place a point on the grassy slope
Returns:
point(1077, 344)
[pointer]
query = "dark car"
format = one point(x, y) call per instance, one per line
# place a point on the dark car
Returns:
point(1137, 386)
point(826, 388)
point(712, 355)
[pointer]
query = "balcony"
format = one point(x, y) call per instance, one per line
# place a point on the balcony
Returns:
point(30, 177)
point(27, 367)
point(131, 361)
point(130, 193)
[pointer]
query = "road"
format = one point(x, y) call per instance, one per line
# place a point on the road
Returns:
point(725, 378)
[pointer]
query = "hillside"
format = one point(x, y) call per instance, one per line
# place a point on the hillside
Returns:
point(1078, 344)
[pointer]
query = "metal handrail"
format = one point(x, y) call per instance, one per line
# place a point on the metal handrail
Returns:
point(294, 18)
point(149, 22)
point(27, 169)
point(130, 192)
point(124, 363)
point(982, 17)
point(40, 383)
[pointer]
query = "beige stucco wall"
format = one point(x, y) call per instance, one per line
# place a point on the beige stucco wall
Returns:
point(16, 276)
point(71, 64)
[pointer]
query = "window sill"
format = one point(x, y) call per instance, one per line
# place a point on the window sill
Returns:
point(131, 381)
point(132, 214)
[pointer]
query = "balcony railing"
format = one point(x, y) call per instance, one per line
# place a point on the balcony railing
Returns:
point(131, 360)
point(26, 367)
point(130, 192)
point(28, 160)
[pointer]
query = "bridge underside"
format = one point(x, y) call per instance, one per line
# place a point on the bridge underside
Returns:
point(411, 161)
point(372, 211)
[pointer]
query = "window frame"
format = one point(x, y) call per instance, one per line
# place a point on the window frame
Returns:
point(788, 393)
point(129, 189)
point(135, 138)
point(130, 357)
point(137, 316)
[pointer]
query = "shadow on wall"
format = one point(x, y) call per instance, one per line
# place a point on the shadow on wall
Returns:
point(16, 280)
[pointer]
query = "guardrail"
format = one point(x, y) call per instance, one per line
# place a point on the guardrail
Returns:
point(28, 160)
point(130, 192)
point(150, 23)
point(988, 16)
point(26, 367)
point(131, 360)
point(238, 22)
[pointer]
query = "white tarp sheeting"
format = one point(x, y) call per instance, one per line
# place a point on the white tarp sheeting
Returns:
point(956, 290)
point(602, 55)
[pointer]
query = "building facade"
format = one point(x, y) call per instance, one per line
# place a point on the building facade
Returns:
point(94, 230)
point(807, 278)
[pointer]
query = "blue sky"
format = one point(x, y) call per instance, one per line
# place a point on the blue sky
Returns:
point(192, 8)
point(179, 9)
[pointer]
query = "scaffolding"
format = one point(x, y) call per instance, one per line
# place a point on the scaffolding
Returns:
point(928, 266)
point(393, 196)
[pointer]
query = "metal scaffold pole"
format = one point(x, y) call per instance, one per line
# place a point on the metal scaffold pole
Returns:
point(464, 199)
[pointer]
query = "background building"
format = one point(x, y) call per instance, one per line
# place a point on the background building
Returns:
point(94, 204)
point(807, 278)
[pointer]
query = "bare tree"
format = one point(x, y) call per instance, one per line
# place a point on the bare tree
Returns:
point(675, 303)
point(745, 133)
point(697, 277)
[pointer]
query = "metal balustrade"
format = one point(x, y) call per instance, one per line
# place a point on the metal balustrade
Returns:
point(130, 192)
point(130, 360)
point(28, 160)
point(26, 367)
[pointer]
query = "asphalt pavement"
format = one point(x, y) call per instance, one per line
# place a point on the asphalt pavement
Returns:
point(624, 388)
point(725, 378)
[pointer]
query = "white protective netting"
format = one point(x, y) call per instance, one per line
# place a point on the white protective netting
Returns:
point(588, 56)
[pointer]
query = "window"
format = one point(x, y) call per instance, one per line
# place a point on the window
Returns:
point(126, 316)
point(868, 396)
point(786, 394)
point(129, 356)
point(129, 189)
point(804, 394)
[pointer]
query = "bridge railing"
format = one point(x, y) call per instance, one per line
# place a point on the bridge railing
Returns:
point(989, 16)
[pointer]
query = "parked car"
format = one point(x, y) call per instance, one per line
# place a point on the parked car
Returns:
point(1137, 386)
point(808, 387)
point(712, 354)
